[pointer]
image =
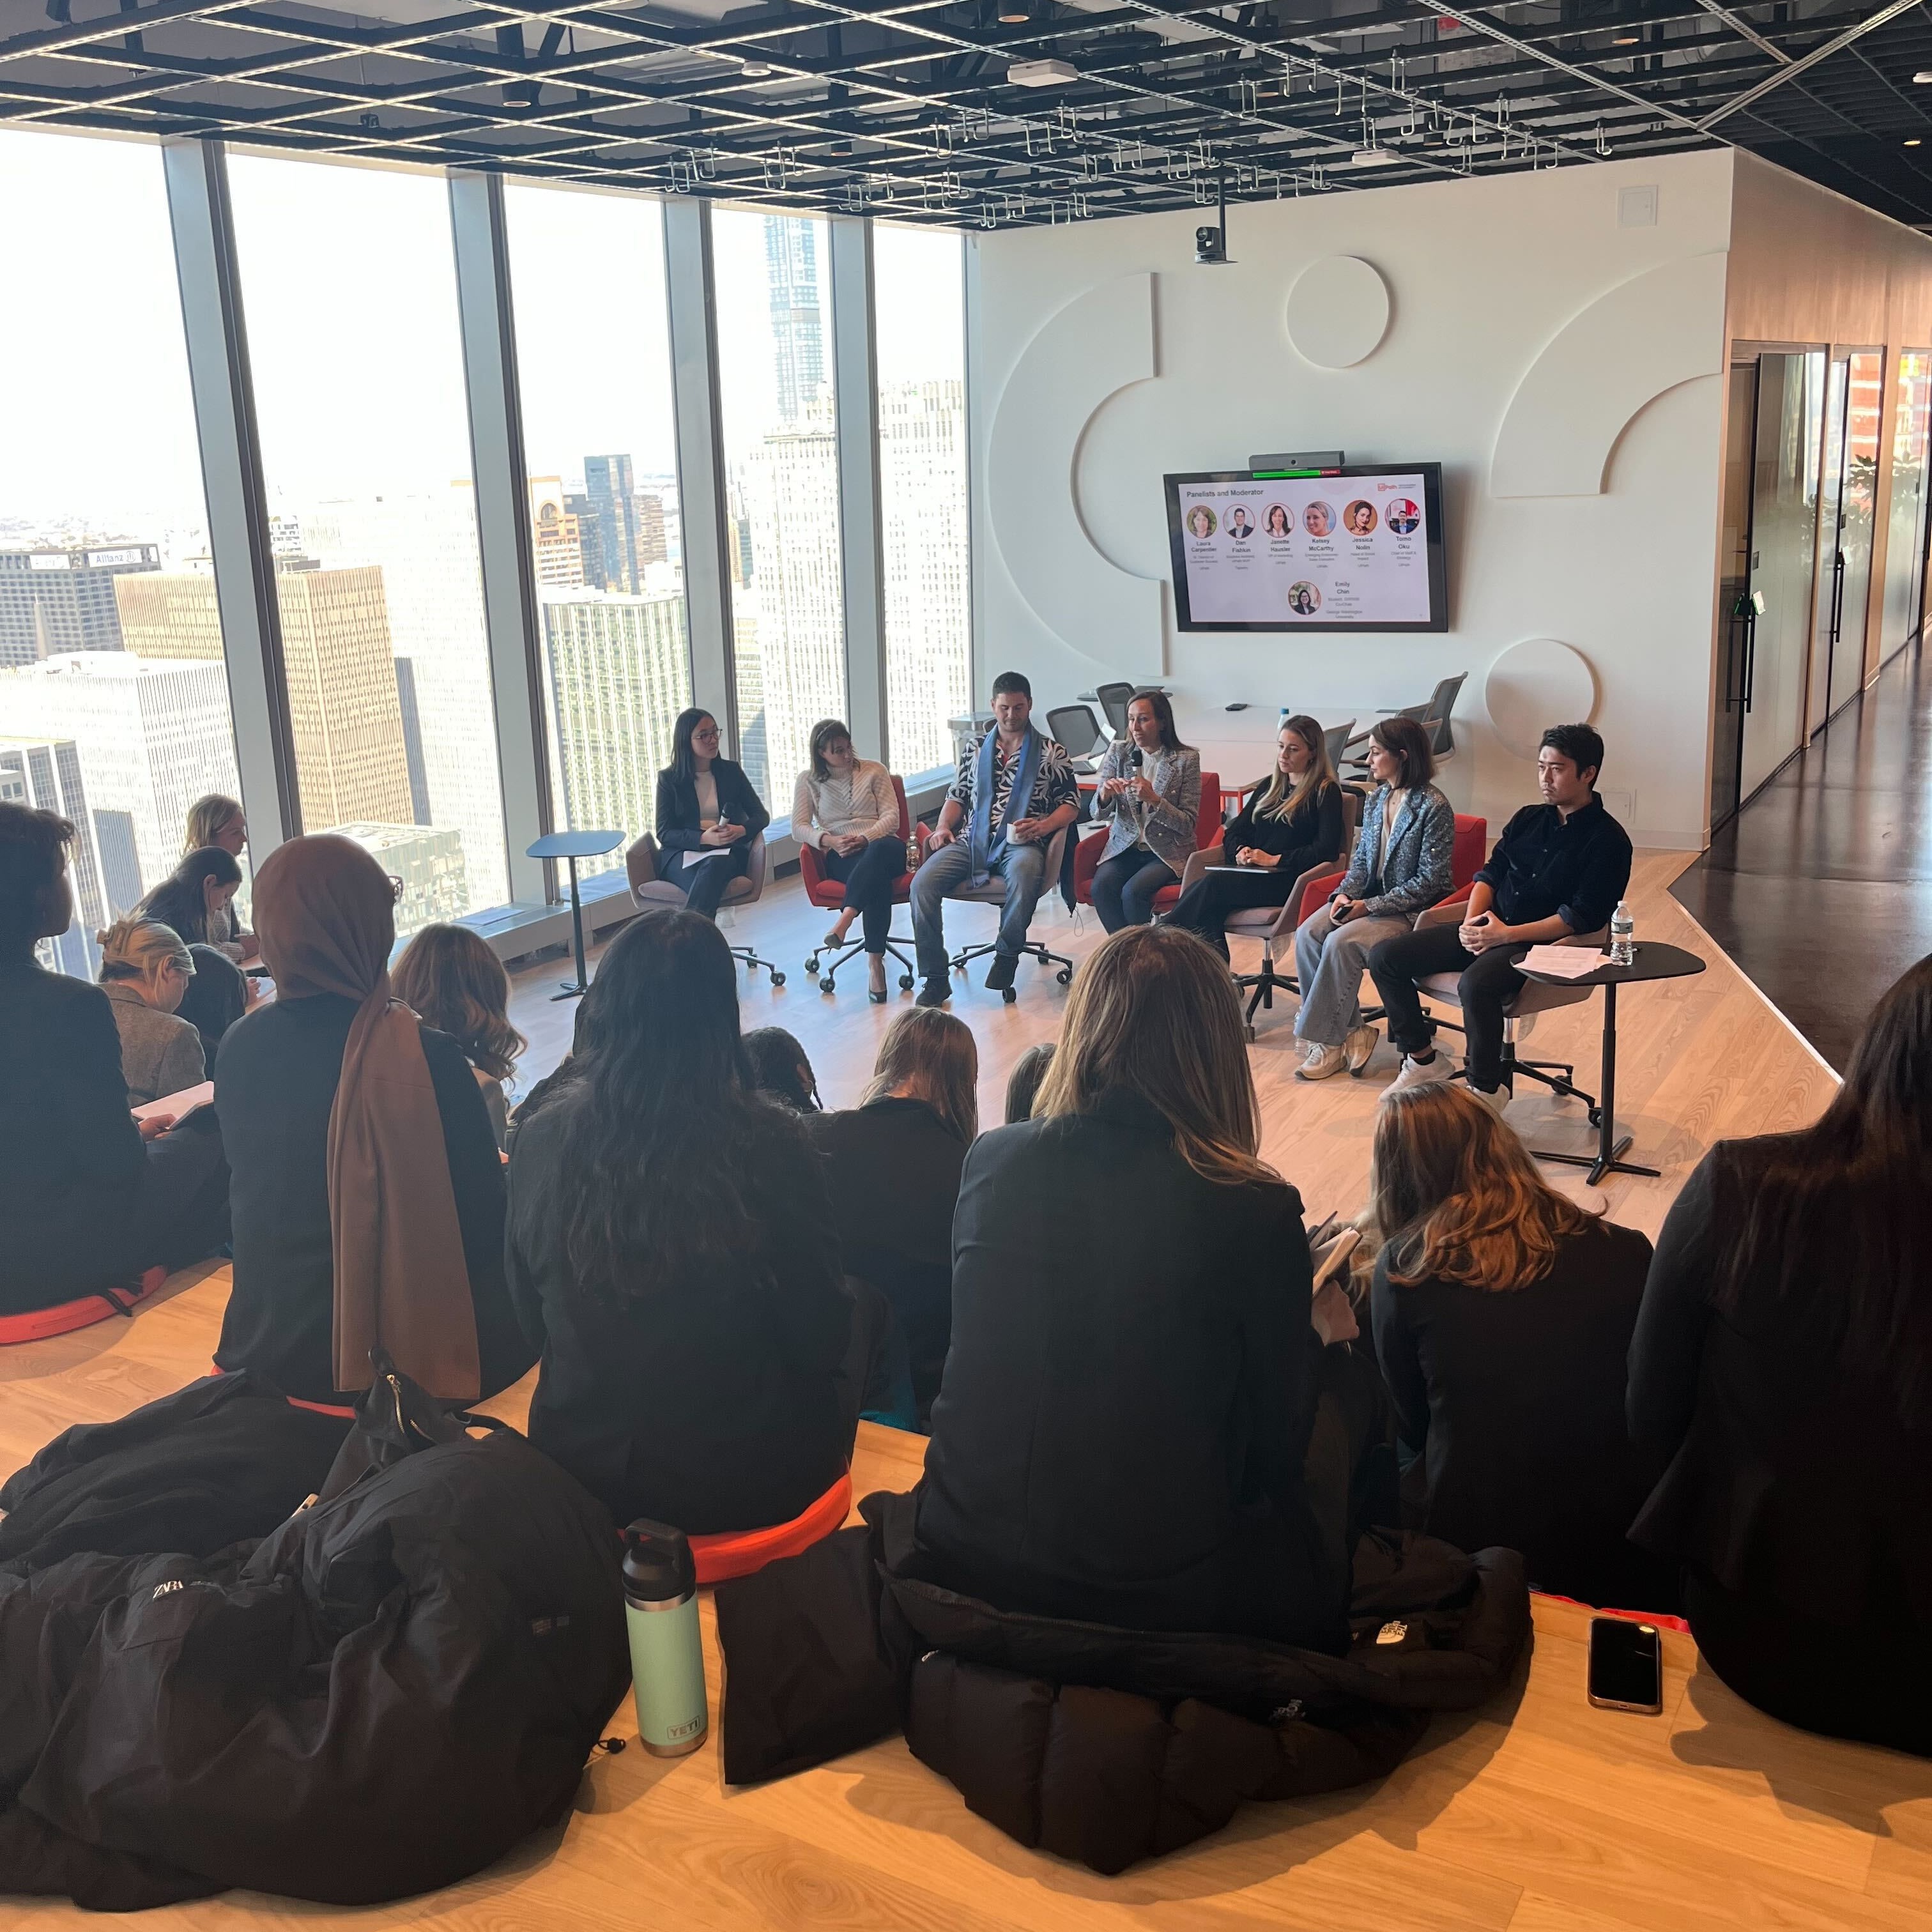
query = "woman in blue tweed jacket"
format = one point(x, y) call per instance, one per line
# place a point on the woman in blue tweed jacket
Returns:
point(1401, 868)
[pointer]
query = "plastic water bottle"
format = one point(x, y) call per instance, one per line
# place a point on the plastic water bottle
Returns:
point(1281, 721)
point(666, 1655)
point(1623, 937)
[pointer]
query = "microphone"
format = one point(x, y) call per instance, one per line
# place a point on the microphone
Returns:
point(1137, 758)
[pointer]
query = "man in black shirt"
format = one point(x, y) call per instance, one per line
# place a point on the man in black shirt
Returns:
point(1560, 868)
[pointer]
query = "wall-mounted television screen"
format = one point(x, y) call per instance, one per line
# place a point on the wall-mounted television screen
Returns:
point(1356, 548)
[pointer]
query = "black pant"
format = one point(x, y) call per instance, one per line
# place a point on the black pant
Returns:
point(703, 886)
point(1124, 887)
point(181, 1213)
point(1214, 896)
point(868, 876)
point(1490, 981)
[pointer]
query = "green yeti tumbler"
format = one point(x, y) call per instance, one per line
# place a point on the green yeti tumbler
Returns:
point(667, 1655)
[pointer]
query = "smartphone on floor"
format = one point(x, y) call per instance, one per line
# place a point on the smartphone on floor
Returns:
point(1626, 1666)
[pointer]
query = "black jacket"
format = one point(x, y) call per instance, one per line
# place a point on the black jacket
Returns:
point(892, 1167)
point(1515, 1400)
point(276, 1074)
point(71, 1162)
point(712, 1404)
point(678, 828)
point(1313, 833)
point(1544, 866)
point(1131, 1389)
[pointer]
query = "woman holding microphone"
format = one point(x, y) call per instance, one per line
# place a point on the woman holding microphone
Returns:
point(705, 804)
point(1152, 781)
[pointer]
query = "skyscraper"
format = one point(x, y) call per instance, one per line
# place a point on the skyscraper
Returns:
point(589, 539)
point(54, 601)
point(46, 773)
point(607, 483)
point(798, 341)
point(554, 533)
point(651, 544)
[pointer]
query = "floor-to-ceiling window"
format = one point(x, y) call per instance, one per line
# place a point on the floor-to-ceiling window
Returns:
point(593, 358)
point(920, 339)
point(349, 286)
point(772, 299)
point(114, 708)
point(1905, 534)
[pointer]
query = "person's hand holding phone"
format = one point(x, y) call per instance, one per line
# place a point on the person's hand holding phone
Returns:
point(1341, 910)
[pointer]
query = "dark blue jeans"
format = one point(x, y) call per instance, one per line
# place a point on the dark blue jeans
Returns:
point(868, 877)
point(1124, 887)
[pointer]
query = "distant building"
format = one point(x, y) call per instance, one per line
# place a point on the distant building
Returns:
point(607, 483)
point(651, 547)
point(429, 861)
point(589, 539)
point(53, 601)
point(46, 773)
point(556, 540)
point(798, 334)
point(617, 672)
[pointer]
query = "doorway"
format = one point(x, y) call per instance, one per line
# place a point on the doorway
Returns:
point(1854, 407)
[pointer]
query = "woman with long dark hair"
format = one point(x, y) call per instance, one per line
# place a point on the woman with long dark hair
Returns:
point(194, 898)
point(1292, 823)
point(1503, 1314)
point(1782, 1366)
point(708, 813)
point(1149, 784)
point(671, 1247)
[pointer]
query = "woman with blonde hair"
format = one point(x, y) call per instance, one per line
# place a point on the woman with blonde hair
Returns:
point(1503, 1315)
point(145, 971)
point(458, 986)
point(216, 820)
point(892, 1164)
point(1132, 1388)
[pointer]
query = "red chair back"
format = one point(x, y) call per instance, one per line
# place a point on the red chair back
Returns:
point(828, 894)
point(1472, 847)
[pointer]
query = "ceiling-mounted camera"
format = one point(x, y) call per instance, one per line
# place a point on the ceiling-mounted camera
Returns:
point(1211, 243)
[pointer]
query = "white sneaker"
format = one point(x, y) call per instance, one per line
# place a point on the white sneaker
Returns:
point(1496, 1101)
point(1360, 1047)
point(1322, 1063)
point(1421, 1072)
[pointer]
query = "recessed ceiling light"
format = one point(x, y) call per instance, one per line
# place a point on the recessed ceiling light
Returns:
point(1373, 158)
point(1623, 40)
point(1923, 78)
point(754, 70)
point(1913, 142)
point(1042, 72)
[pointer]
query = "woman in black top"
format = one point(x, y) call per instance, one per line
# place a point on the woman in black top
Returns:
point(195, 894)
point(892, 1164)
point(672, 1249)
point(1502, 1316)
point(705, 804)
point(88, 1200)
point(1293, 823)
point(1782, 1366)
point(1133, 1383)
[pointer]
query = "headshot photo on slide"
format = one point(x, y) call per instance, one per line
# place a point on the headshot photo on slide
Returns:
point(1241, 525)
point(1401, 517)
point(1359, 519)
point(1200, 522)
point(1276, 521)
point(1319, 519)
point(1304, 599)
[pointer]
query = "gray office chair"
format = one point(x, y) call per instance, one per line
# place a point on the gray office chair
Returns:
point(1075, 726)
point(993, 893)
point(1115, 699)
point(1434, 717)
point(648, 888)
point(1336, 737)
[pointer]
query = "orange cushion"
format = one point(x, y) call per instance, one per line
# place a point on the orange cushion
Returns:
point(726, 1553)
point(37, 1325)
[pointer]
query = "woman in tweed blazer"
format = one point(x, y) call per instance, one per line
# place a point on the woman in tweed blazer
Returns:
point(1402, 867)
point(1154, 804)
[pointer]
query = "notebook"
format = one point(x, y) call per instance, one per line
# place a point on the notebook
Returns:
point(177, 1105)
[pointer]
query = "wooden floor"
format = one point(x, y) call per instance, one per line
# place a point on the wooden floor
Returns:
point(1538, 1814)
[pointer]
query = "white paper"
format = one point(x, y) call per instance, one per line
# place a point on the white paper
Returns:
point(697, 855)
point(177, 1105)
point(1563, 962)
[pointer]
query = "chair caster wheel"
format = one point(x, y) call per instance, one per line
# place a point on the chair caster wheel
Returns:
point(905, 982)
point(811, 966)
point(1008, 994)
point(1596, 1116)
point(826, 985)
point(1249, 1032)
point(1065, 976)
point(777, 979)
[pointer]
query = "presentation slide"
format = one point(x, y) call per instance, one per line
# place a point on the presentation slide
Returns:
point(1318, 552)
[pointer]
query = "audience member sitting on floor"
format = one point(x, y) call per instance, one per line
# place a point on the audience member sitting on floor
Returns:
point(458, 986)
point(1023, 1083)
point(780, 1070)
point(368, 1195)
point(1782, 1369)
point(1559, 868)
point(1151, 785)
point(145, 969)
point(705, 804)
point(84, 1204)
point(1502, 1316)
point(1403, 863)
point(194, 898)
point(1295, 821)
point(892, 1164)
point(844, 806)
point(983, 834)
point(216, 821)
point(1133, 1379)
point(217, 996)
point(671, 1244)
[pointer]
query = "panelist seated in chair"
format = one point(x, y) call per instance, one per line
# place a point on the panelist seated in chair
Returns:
point(1014, 788)
point(705, 805)
point(844, 806)
point(1151, 788)
point(88, 1199)
point(1293, 823)
point(1559, 868)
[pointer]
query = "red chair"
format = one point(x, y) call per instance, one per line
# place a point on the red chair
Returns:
point(828, 896)
point(1206, 832)
point(63, 1318)
point(726, 1553)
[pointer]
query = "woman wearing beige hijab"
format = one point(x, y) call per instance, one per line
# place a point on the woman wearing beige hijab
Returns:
point(368, 1199)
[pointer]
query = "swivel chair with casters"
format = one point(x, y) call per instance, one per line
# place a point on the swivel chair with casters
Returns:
point(993, 893)
point(649, 888)
point(1207, 824)
point(1075, 726)
point(1115, 699)
point(1337, 737)
point(828, 896)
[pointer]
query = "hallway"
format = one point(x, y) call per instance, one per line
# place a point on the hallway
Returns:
point(1821, 888)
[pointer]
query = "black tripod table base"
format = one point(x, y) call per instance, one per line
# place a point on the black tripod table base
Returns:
point(1607, 1160)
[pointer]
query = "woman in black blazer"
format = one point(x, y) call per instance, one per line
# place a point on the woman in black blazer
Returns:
point(1132, 1388)
point(705, 804)
point(1782, 1365)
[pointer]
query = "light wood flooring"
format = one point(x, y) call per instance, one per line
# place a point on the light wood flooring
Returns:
point(1538, 1814)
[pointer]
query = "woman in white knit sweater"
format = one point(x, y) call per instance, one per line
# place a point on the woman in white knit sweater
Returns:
point(845, 805)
